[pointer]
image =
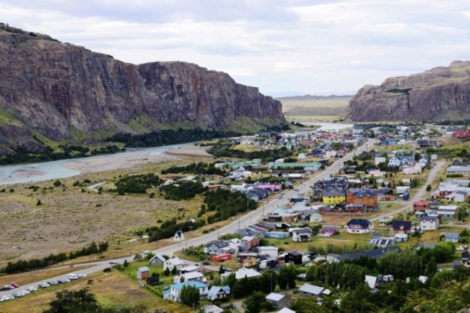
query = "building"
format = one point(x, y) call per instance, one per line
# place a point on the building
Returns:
point(374, 254)
point(192, 276)
point(372, 281)
point(316, 217)
point(359, 226)
point(217, 292)
point(302, 234)
point(314, 291)
point(248, 242)
point(216, 247)
point(333, 196)
point(243, 272)
point(447, 211)
point(429, 223)
point(179, 236)
point(211, 308)
point(401, 227)
point(293, 257)
point(462, 170)
point(157, 260)
point(329, 230)
point(421, 206)
point(272, 251)
point(278, 300)
point(452, 237)
point(173, 263)
point(143, 272)
point(173, 294)
point(366, 197)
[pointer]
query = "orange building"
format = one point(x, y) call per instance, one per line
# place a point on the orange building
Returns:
point(366, 197)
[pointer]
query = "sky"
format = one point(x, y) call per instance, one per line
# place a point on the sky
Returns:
point(284, 47)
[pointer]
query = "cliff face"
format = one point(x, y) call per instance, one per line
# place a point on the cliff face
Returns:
point(51, 87)
point(437, 94)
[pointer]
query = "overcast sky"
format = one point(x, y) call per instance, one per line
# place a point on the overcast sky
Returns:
point(280, 46)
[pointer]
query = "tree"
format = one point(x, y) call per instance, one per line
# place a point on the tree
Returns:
point(73, 302)
point(57, 183)
point(287, 275)
point(190, 296)
point(174, 271)
point(125, 264)
point(39, 203)
point(166, 272)
point(428, 187)
point(221, 270)
point(253, 303)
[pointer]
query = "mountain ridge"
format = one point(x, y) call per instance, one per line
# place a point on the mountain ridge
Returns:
point(54, 90)
point(440, 93)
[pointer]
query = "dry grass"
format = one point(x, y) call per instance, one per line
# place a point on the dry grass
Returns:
point(111, 289)
point(31, 277)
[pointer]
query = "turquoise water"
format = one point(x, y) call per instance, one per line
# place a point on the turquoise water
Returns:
point(56, 170)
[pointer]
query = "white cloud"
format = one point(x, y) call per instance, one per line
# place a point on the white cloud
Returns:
point(277, 45)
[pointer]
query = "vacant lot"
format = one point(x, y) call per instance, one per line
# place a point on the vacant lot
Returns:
point(70, 217)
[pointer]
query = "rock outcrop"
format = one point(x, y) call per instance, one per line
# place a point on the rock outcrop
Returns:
point(53, 89)
point(442, 93)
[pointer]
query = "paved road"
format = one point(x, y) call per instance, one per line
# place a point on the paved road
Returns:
point(242, 222)
point(417, 197)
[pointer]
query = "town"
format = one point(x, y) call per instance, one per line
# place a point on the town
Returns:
point(301, 221)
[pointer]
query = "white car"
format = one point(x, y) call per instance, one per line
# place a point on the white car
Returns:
point(31, 289)
point(81, 275)
point(44, 285)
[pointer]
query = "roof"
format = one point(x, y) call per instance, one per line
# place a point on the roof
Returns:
point(312, 289)
point(159, 257)
point(143, 269)
point(399, 224)
point(274, 296)
point(216, 289)
point(212, 308)
point(428, 219)
point(196, 284)
point(286, 310)
point(305, 230)
point(452, 236)
point(359, 221)
point(217, 243)
point(191, 275)
point(375, 254)
point(246, 272)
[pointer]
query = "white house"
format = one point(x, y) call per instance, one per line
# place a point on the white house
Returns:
point(429, 223)
point(192, 276)
point(315, 291)
point(372, 281)
point(394, 162)
point(243, 272)
point(179, 236)
point(302, 234)
point(316, 217)
point(172, 263)
point(271, 250)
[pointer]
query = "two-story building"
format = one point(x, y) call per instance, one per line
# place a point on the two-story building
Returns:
point(359, 226)
point(429, 223)
point(302, 234)
point(173, 294)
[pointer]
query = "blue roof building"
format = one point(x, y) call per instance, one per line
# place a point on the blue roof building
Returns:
point(173, 294)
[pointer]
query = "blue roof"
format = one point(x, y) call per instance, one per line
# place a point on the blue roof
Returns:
point(375, 254)
point(452, 236)
point(196, 284)
point(398, 224)
point(359, 221)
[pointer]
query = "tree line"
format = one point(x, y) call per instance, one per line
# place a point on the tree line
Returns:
point(137, 183)
point(182, 190)
point(34, 264)
point(227, 204)
point(225, 149)
point(199, 168)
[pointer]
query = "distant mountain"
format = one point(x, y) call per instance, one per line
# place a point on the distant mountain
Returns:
point(312, 97)
point(58, 92)
point(442, 93)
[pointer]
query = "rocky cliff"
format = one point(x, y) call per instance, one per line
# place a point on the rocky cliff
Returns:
point(54, 90)
point(439, 94)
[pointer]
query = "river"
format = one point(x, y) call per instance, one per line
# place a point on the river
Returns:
point(36, 172)
point(328, 126)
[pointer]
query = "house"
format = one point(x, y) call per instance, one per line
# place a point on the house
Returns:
point(211, 308)
point(401, 227)
point(293, 257)
point(192, 276)
point(428, 223)
point(173, 294)
point(314, 291)
point(359, 226)
point(170, 264)
point(366, 197)
point(190, 269)
point(394, 162)
point(372, 281)
point(316, 217)
point(157, 260)
point(329, 230)
point(179, 236)
point(421, 206)
point(333, 196)
point(465, 171)
point(379, 160)
point(248, 242)
point(452, 237)
point(447, 211)
point(278, 300)
point(243, 272)
point(302, 234)
point(143, 272)
point(286, 310)
point(272, 251)
point(217, 292)
point(216, 247)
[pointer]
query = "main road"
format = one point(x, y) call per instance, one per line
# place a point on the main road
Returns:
point(242, 222)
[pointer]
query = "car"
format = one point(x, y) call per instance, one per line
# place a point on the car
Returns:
point(44, 285)
point(52, 282)
point(6, 288)
point(14, 285)
point(112, 262)
point(296, 189)
point(205, 263)
point(31, 289)
point(72, 276)
point(81, 275)
point(279, 197)
point(17, 295)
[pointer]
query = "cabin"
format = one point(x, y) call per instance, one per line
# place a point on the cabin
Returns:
point(359, 226)
point(143, 272)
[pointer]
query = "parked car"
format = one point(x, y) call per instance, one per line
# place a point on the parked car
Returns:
point(72, 276)
point(52, 282)
point(14, 285)
point(44, 285)
point(6, 288)
point(81, 275)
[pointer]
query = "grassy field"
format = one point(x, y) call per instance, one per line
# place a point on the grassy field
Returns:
point(111, 289)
